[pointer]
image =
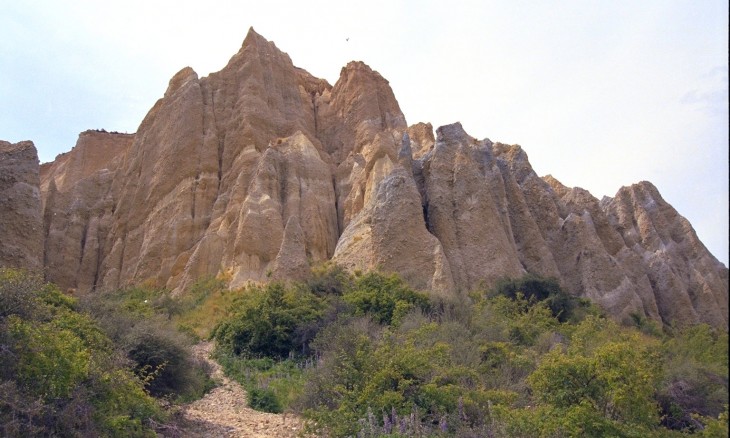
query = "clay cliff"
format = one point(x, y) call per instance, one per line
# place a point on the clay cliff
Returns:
point(78, 206)
point(261, 170)
point(21, 222)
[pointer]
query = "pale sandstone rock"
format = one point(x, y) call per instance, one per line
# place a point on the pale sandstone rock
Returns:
point(690, 285)
point(461, 211)
point(360, 121)
point(94, 151)
point(516, 173)
point(259, 170)
point(193, 164)
point(587, 267)
point(77, 223)
point(401, 242)
point(422, 140)
point(290, 181)
point(291, 260)
point(610, 264)
point(166, 187)
point(389, 233)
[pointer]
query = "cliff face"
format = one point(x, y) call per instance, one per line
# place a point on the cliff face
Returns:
point(21, 223)
point(260, 170)
point(78, 207)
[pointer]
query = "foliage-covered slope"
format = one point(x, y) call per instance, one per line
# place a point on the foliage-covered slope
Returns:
point(70, 368)
point(366, 356)
point(357, 355)
point(59, 373)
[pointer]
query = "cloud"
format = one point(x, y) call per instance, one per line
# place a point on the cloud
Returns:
point(711, 94)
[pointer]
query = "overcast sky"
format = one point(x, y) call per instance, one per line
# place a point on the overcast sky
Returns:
point(600, 94)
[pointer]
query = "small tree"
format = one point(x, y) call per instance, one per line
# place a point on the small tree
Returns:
point(538, 289)
point(265, 321)
point(385, 298)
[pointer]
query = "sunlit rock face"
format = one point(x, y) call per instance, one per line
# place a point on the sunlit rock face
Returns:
point(261, 170)
point(689, 284)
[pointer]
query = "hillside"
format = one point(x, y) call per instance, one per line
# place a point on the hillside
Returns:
point(261, 170)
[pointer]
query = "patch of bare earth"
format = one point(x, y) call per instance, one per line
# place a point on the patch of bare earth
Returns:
point(223, 412)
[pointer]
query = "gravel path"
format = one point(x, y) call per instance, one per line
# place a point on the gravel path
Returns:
point(223, 411)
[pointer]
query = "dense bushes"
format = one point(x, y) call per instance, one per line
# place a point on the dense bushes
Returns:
point(270, 321)
point(59, 375)
point(279, 320)
point(161, 356)
point(603, 386)
point(695, 377)
point(545, 290)
point(367, 356)
point(91, 367)
point(430, 374)
point(137, 320)
point(384, 298)
point(360, 355)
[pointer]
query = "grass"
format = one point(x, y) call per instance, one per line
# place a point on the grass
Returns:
point(204, 306)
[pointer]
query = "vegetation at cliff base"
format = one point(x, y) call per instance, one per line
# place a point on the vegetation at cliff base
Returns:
point(367, 356)
point(98, 366)
point(59, 372)
point(139, 322)
point(359, 355)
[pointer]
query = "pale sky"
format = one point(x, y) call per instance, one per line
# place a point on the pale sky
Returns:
point(600, 94)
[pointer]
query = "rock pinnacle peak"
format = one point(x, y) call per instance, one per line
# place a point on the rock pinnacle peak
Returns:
point(261, 169)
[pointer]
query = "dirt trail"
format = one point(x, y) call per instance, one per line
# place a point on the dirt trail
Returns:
point(223, 411)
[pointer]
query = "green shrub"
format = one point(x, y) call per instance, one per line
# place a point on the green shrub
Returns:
point(59, 375)
point(609, 377)
point(161, 357)
point(385, 298)
point(694, 387)
point(270, 321)
point(575, 421)
point(537, 289)
point(406, 375)
point(122, 406)
point(199, 310)
point(21, 414)
point(272, 385)
point(715, 427)
point(331, 392)
point(51, 362)
point(368, 356)
point(330, 279)
point(19, 294)
point(527, 375)
point(264, 399)
point(143, 333)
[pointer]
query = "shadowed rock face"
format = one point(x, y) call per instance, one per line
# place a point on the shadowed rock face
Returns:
point(21, 222)
point(78, 207)
point(260, 170)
